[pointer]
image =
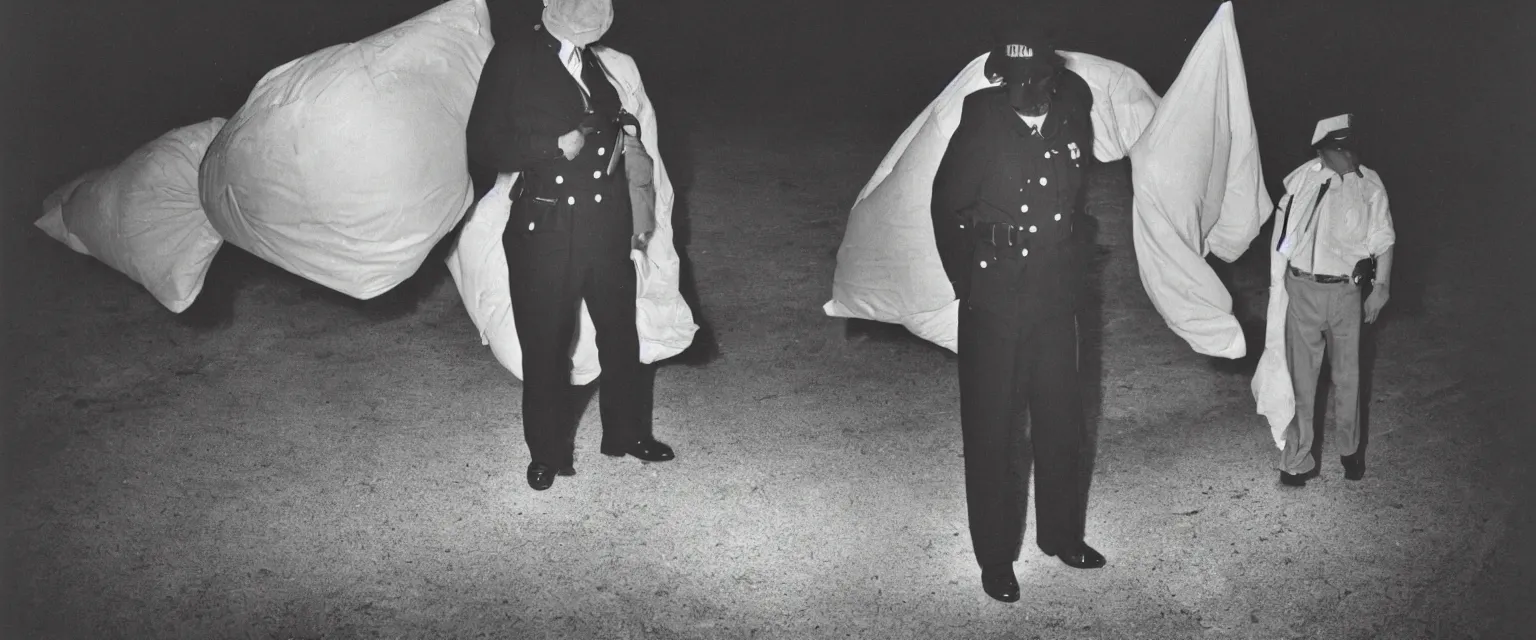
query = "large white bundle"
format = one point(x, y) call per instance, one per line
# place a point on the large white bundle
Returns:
point(479, 262)
point(888, 268)
point(347, 165)
point(1199, 189)
point(142, 216)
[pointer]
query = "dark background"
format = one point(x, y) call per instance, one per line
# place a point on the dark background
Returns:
point(1443, 91)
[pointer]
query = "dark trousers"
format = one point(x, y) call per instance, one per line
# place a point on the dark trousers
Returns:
point(1008, 368)
point(551, 273)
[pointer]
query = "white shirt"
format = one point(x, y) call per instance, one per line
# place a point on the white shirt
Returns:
point(1350, 223)
point(1034, 122)
point(571, 57)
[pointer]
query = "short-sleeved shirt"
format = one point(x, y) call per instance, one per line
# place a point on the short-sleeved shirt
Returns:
point(1350, 222)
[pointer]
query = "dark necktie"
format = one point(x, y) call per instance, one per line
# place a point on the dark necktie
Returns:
point(592, 73)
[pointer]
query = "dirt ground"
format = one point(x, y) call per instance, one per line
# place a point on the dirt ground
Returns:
point(284, 462)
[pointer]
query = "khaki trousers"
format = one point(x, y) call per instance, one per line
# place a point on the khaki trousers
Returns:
point(1321, 318)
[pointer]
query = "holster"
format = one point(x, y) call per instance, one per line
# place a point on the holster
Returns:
point(1365, 272)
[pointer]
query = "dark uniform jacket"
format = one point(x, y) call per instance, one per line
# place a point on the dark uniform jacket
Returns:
point(1004, 200)
point(525, 101)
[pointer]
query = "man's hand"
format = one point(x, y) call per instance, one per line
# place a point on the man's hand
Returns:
point(1375, 301)
point(571, 143)
point(639, 242)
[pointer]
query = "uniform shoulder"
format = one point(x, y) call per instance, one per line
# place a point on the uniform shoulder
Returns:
point(985, 96)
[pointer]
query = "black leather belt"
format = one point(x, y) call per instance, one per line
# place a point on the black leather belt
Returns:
point(1320, 279)
point(1004, 235)
point(1000, 234)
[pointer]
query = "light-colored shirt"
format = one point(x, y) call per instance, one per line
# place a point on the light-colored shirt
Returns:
point(570, 55)
point(1034, 122)
point(1351, 222)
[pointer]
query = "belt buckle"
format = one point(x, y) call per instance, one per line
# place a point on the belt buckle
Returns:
point(1007, 234)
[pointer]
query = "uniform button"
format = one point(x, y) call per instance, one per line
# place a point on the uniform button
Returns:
point(597, 174)
point(1048, 154)
point(598, 197)
point(571, 200)
point(530, 226)
point(602, 150)
point(1032, 229)
point(1024, 252)
point(1058, 217)
point(983, 264)
point(962, 226)
point(559, 179)
point(1043, 181)
point(1024, 208)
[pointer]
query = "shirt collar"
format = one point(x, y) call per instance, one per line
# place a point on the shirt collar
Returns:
point(566, 47)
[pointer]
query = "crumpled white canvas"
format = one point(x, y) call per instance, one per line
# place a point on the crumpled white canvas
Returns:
point(347, 165)
point(479, 262)
point(1272, 390)
point(142, 216)
point(1199, 188)
point(888, 268)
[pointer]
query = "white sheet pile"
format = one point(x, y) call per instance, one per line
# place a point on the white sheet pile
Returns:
point(346, 166)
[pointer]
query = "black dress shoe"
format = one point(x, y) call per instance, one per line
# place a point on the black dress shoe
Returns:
point(1081, 556)
point(1293, 479)
point(541, 476)
point(649, 450)
point(1000, 583)
point(566, 471)
point(1354, 466)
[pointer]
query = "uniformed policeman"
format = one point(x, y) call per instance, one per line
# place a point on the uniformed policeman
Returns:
point(1004, 199)
point(545, 107)
point(1338, 237)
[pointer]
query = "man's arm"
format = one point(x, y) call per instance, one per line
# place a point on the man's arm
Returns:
point(1382, 241)
point(954, 190)
point(1084, 96)
point(496, 138)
